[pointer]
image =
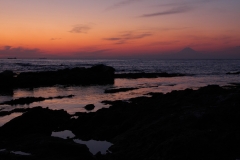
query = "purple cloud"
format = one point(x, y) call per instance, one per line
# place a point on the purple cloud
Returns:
point(122, 4)
point(127, 36)
point(177, 10)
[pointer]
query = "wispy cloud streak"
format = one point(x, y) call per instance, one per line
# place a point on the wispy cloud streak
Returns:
point(80, 29)
point(174, 4)
point(127, 36)
point(177, 10)
point(122, 4)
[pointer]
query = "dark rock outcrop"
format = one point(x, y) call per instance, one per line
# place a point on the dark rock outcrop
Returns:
point(98, 74)
point(44, 147)
point(176, 125)
point(31, 133)
point(36, 121)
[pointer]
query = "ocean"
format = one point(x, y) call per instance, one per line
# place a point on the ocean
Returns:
point(198, 73)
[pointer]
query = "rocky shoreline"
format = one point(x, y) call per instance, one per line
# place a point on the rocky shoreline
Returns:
point(95, 75)
point(98, 74)
point(189, 124)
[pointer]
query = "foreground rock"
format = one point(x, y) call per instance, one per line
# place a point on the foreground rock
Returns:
point(99, 74)
point(31, 133)
point(36, 121)
point(44, 147)
point(189, 124)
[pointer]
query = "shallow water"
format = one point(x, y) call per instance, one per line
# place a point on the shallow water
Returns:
point(84, 95)
point(63, 134)
point(93, 145)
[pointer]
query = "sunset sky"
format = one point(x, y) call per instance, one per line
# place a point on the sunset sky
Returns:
point(118, 28)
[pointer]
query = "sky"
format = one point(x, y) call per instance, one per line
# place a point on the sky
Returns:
point(118, 28)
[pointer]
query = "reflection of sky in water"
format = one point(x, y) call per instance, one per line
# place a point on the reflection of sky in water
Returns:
point(63, 134)
point(21, 153)
point(95, 94)
point(94, 146)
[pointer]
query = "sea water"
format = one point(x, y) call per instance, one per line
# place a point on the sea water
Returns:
point(198, 73)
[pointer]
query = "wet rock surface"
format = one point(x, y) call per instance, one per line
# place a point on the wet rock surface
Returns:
point(189, 124)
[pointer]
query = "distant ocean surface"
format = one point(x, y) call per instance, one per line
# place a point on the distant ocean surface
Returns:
point(196, 67)
point(199, 73)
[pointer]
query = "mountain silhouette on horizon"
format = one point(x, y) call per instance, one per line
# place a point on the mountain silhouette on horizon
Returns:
point(188, 50)
point(187, 53)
